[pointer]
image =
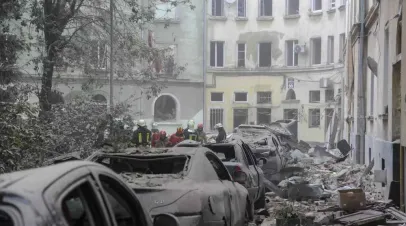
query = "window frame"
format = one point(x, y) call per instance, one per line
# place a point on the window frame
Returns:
point(167, 6)
point(234, 96)
point(270, 116)
point(264, 92)
point(313, 3)
point(261, 12)
point(341, 48)
point(311, 116)
point(295, 56)
point(238, 54)
point(287, 4)
point(222, 13)
point(217, 101)
point(333, 4)
point(325, 95)
point(216, 54)
point(259, 54)
point(240, 108)
point(222, 117)
point(310, 96)
point(312, 52)
point(330, 49)
point(245, 9)
point(221, 165)
point(98, 60)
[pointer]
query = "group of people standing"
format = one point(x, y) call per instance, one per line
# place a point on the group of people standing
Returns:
point(142, 136)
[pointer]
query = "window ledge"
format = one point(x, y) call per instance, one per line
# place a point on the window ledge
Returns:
point(220, 18)
point(265, 18)
point(169, 20)
point(314, 102)
point(239, 18)
point(341, 7)
point(290, 101)
point(290, 17)
point(315, 13)
point(332, 10)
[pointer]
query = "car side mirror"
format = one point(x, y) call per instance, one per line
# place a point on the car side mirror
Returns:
point(165, 219)
point(262, 161)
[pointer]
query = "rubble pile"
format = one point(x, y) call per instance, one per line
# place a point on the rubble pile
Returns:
point(317, 186)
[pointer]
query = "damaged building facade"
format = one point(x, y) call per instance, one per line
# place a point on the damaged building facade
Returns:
point(373, 101)
point(178, 29)
point(271, 60)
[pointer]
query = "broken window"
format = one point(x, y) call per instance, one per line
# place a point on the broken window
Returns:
point(264, 97)
point(165, 109)
point(240, 97)
point(330, 50)
point(316, 50)
point(329, 95)
point(316, 5)
point(100, 99)
point(264, 116)
point(341, 48)
point(291, 54)
point(98, 54)
point(292, 7)
point(168, 58)
point(290, 95)
point(216, 54)
point(165, 10)
point(217, 8)
point(216, 96)
point(290, 114)
point(314, 117)
point(216, 116)
point(240, 117)
point(328, 116)
point(265, 8)
point(314, 96)
point(264, 54)
point(241, 55)
point(242, 8)
point(332, 4)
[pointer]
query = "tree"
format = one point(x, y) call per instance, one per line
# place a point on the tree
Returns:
point(71, 28)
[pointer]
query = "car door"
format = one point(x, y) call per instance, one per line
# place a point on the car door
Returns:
point(261, 175)
point(74, 200)
point(120, 200)
point(252, 168)
point(233, 200)
point(252, 183)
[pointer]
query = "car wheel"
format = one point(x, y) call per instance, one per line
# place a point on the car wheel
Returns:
point(260, 203)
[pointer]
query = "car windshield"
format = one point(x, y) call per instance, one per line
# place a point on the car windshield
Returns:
point(146, 164)
point(224, 153)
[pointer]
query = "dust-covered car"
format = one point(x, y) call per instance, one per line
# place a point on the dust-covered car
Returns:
point(189, 182)
point(73, 193)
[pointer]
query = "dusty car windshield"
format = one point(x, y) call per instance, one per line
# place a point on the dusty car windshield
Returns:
point(147, 165)
point(224, 153)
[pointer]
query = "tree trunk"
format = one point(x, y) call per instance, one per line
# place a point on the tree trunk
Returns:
point(46, 82)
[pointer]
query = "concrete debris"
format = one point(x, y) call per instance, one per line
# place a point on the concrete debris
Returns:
point(323, 186)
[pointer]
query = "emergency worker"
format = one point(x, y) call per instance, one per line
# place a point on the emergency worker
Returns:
point(155, 134)
point(163, 140)
point(177, 137)
point(221, 136)
point(190, 132)
point(201, 135)
point(142, 135)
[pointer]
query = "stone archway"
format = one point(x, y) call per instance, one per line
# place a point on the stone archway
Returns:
point(290, 95)
point(166, 108)
point(100, 99)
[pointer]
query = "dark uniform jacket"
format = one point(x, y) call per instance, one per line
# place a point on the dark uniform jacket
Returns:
point(221, 136)
point(141, 137)
point(190, 135)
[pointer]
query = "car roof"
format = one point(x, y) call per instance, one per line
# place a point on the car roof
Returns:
point(36, 180)
point(155, 151)
point(246, 126)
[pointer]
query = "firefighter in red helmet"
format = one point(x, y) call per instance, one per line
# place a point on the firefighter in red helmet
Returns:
point(177, 137)
point(163, 140)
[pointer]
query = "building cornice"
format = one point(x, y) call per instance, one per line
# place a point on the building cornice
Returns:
point(117, 81)
point(273, 71)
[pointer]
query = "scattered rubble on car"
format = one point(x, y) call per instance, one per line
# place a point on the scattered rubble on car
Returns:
point(323, 187)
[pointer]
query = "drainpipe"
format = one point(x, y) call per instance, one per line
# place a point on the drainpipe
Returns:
point(204, 62)
point(360, 156)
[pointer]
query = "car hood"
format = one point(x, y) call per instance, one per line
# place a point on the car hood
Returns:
point(157, 191)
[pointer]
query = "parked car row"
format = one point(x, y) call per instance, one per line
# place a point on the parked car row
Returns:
point(189, 184)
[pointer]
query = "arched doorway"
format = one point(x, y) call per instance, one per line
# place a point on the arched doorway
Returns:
point(165, 108)
point(100, 99)
point(291, 95)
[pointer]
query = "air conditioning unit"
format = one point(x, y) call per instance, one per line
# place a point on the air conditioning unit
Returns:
point(300, 48)
point(324, 83)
